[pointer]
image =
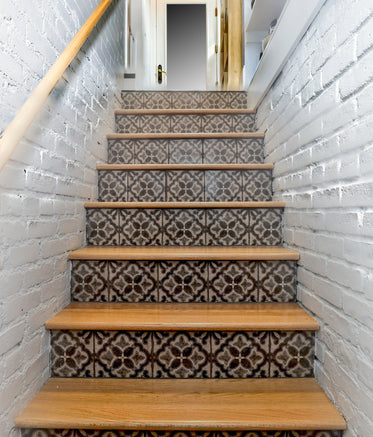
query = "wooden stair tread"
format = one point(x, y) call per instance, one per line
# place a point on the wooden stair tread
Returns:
point(183, 111)
point(185, 253)
point(198, 135)
point(189, 404)
point(191, 205)
point(184, 316)
point(184, 166)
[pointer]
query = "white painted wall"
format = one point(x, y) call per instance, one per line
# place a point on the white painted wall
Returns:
point(318, 118)
point(43, 187)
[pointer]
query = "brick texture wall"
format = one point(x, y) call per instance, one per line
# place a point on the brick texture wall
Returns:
point(318, 118)
point(52, 173)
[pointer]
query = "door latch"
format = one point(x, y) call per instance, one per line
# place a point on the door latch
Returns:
point(160, 72)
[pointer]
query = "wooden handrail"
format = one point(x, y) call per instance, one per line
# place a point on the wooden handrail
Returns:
point(31, 108)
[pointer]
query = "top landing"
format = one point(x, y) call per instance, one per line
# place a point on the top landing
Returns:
point(184, 100)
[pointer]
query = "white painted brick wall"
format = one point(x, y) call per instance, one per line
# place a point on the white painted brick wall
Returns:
point(318, 118)
point(51, 174)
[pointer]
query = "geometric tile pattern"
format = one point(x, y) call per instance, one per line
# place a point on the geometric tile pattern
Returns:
point(121, 354)
point(184, 123)
point(186, 151)
point(139, 227)
point(183, 281)
point(223, 185)
point(102, 227)
point(72, 353)
point(220, 151)
point(184, 227)
point(184, 100)
point(233, 282)
point(184, 185)
point(116, 433)
point(182, 354)
point(132, 282)
point(257, 186)
point(150, 152)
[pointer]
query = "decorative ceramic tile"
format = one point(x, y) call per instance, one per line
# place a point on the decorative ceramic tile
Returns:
point(133, 281)
point(155, 123)
point(140, 227)
point(278, 281)
point(233, 281)
point(184, 227)
point(120, 151)
point(102, 227)
point(181, 281)
point(128, 123)
point(132, 100)
point(112, 186)
point(53, 433)
point(181, 355)
point(185, 151)
point(89, 281)
point(238, 100)
point(250, 151)
point(219, 151)
point(115, 433)
point(185, 186)
point(243, 123)
point(214, 100)
point(146, 186)
point(227, 227)
point(265, 227)
point(186, 100)
point(223, 186)
point(314, 434)
point(240, 354)
point(157, 100)
point(151, 152)
point(185, 123)
point(292, 354)
point(214, 123)
point(257, 185)
point(122, 354)
point(72, 354)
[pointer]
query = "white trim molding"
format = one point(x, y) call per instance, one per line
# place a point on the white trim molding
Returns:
point(294, 21)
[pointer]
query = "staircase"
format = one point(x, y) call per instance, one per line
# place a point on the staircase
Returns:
point(183, 318)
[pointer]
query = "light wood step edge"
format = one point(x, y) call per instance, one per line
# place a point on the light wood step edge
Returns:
point(182, 111)
point(200, 167)
point(180, 205)
point(183, 317)
point(182, 405)
point(185, 253)
point(199, 135)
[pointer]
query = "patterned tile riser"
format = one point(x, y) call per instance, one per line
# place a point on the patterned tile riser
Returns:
point(184, 123)
point(184, 100)
point(183, 281)
point(184, 186)
point(92, 433)
point(163, 354)
point(186, 151)
point(184, 227)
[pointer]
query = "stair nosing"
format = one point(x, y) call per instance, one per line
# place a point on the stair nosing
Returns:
point(185, 253)
point(196, 167)
point(198, 111)
point(247, 317)
point(184, 205)
point(198, 135)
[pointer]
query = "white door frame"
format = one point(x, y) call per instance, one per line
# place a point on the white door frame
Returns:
point(159, 39)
